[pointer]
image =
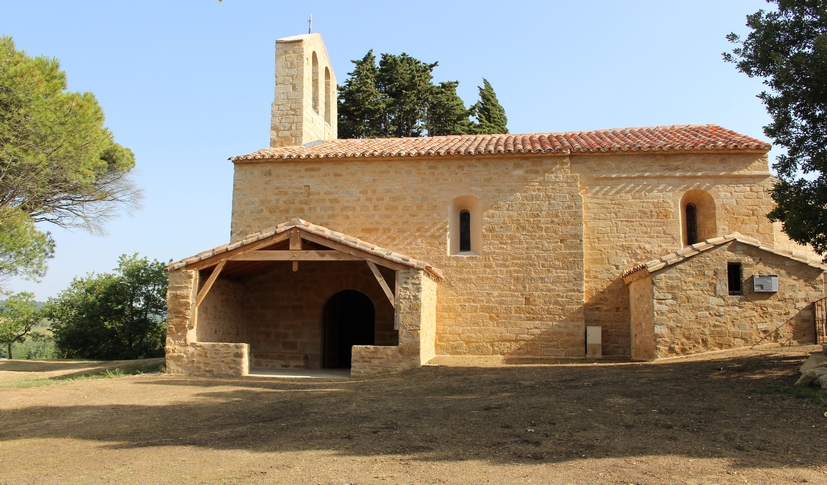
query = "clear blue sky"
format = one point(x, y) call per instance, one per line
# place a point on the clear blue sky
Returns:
point(186, 84)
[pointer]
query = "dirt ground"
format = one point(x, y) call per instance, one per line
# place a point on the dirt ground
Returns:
point(721, 418)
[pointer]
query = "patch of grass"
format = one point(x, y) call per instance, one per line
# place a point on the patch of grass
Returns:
point(106, 374)
point(123, 370)
point(798, 392)
point(25, 383)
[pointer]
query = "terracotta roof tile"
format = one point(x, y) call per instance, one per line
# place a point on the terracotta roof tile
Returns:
point(314, 229)
point(652, 139)
point(695, 249)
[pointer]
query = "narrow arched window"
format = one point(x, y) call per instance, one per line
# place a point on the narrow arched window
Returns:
point(315, 82)
point(327, 102)
point(464, 231)
point(465, 226)
point(691, 224)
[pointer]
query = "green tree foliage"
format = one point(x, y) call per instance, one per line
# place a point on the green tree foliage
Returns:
point(361, 105)
point(398, 98)
point(18, 315)
point(489, 113)
point(788, 49)
point(447, 114)
point(58, 163)
point(406, 85)
point(118, 315)
point(23, 249)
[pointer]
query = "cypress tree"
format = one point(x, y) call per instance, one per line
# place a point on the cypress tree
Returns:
point(398, 98)
point(447, 114)
point(489, 113)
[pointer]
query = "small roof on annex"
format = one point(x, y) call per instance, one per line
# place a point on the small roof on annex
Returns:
point(655, 265)
point(659, 139)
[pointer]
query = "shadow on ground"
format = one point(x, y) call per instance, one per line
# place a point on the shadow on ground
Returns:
point(742, 408)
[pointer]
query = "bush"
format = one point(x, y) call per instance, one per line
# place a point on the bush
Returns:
point(118, 315)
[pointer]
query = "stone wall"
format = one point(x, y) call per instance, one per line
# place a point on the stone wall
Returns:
point(369, 360)
point(180, 308)
point(222, 316)
point(416, 318)
point(522, 295)
point(184, 353)
point(427, 323)
point(641, 299)
point(632, 214)
point(555, 236)
point(209, 359)
point(285, 309)
point(693, 311)
point(416, 309)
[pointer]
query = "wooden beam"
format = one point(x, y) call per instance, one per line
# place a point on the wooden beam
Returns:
point(382, 283)
point(303, 255)
point(354, 252)
point(295, 240)
point(295, 266)
point(206, 288)
point(212, 261)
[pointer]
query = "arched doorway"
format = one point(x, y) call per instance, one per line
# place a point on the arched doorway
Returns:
point(349, 319)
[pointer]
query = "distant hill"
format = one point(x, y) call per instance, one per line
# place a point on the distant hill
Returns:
point(40, 304)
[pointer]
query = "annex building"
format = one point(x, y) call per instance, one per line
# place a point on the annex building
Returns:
point(382, 254)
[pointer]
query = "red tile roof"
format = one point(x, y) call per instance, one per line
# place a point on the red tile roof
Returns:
point(676, 138)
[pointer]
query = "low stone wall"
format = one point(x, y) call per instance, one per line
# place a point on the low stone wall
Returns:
point(368, 360)
point(212, 359)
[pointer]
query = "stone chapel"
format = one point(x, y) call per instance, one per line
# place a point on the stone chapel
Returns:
point(381, 255)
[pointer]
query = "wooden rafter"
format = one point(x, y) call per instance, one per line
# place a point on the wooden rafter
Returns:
point(354, 252)
point(212, 261)
point(318, 248)
point(208, 284)
point(303, 255)
point(382, 283)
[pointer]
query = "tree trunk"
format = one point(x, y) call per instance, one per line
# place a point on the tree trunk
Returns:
point(8, 346)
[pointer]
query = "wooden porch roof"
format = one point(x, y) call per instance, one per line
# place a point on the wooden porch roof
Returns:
point(297, 240)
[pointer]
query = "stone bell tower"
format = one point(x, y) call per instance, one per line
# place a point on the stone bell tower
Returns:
point(304, 109)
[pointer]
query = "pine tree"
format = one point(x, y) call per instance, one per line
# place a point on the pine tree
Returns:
point(489, 113)
point(361, 106)
point(58, 161)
